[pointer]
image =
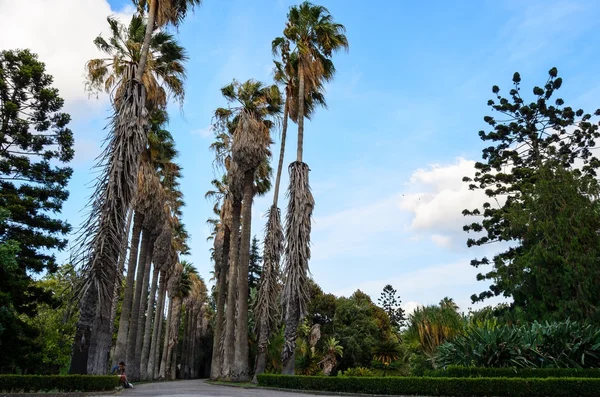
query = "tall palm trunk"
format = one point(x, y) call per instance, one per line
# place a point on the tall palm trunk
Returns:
point(139, 338)
point(187, 342)
point(171, 353)
point(242, 366)
point(148, 326)
point(297, 248)
point(83, 334)
point(223, 258)
point(267, 303)
point(273, 247)
point(163, 361)
point(157, 330)
point(120, 349)
point(184, 341)
point(114, 194)
point(281, 153)
point(120, 269)
point(147, 39)
point(135, 308)
point(229, 341)
point(300, 148)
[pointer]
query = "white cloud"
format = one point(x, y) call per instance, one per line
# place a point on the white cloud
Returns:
point(409, 307)
point(438, 198)
point(61, 33)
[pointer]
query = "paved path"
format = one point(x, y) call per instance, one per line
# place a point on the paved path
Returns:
point(198, 388)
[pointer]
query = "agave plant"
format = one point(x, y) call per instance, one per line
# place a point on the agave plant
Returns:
point(564, 344)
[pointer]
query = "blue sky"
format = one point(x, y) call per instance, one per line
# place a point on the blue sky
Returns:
point(387, 156)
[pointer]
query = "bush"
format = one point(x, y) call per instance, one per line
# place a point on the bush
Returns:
point(482, 372)
point(565, 344)
point(66, 383)
point(438, 386)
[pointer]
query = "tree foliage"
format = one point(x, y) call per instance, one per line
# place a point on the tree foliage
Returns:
point(390, 303)
point(538, 174)
point(255, 266)
point(34, 141)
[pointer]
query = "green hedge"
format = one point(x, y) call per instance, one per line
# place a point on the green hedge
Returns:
point(426, 386)
point(60, 383)
point(482, 372)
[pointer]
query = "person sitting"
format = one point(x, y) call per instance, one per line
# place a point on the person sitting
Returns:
point(120, 370)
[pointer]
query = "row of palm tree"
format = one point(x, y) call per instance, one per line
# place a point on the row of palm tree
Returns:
point(137, 201)
point(243, 138)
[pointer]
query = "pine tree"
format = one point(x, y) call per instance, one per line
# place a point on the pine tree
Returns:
point(255, 266)
point(390, 303)
point(34, 141)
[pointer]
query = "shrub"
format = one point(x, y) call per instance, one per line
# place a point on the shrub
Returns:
point(482, 372)
point(458, 387)
point(358, 372)
point(565, 344)
point(61, 383)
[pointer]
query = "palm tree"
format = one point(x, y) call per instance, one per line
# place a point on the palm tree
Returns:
point(255, 107)
point(448, 303)
point(150, 195)
point(333, 349)
point(316, 36)
point(194, 303)
point(267, 305)
point(164, 73)
point(431, 326)
point(114, 193)
point(180, 286)
point(223, 206)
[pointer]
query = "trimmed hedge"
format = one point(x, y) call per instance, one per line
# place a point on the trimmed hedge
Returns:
point(61, 383)
point(426, 386)
point(483, 372)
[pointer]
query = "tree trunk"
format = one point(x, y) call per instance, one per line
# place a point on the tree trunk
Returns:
point(297, 255)
point(185, 342)
point(81, 343)
point(148, 327)
point(171, 353)
point(101, 339)
point(292, 319)
point(229, 341)
point(120, 269)
point(217, 357)
point(157, 330)
point(147, 38)
point(281, 153)
point(242, 365)
point(139, 338)
point(163, 361)
point(300, 112)
point(135, 308)
point(121, 346)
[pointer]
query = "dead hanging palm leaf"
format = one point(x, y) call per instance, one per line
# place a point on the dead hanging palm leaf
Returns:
point(267, 305)
point(162, 247)
point(101, 234)
point(252, 140)
point(297, 254)
point(172, 11)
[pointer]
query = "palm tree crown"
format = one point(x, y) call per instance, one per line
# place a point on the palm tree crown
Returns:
point(164, 73)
